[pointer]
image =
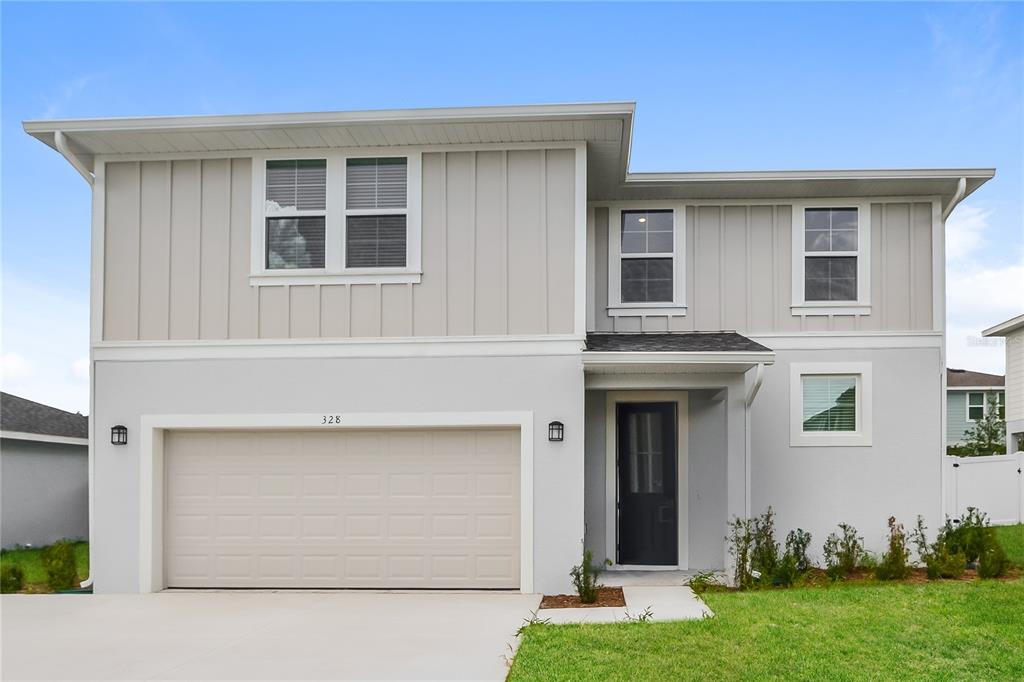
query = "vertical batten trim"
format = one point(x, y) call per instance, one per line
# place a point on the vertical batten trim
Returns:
point(884, 238)
point(696, 264)
point(775, 265)
point(288, 309)
point(504, 236)
point(380, 309)
point(911, 228)
point(444, 244)
point(138, 259)
point(348, 310)
point(319, 310)
point(170, 236)
point(97, 279)
point(747, 305)
point(412, 311)
point(590, 270)
point(721, 267)
point(472, 241)
point(938, 268)
point(581, 243)
point(199, 254)
point(227, 293)
point(545, 278)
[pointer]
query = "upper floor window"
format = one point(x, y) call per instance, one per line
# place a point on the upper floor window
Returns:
point(979, 403)
point(645, 261)
point(337, 218)
point(830, 254)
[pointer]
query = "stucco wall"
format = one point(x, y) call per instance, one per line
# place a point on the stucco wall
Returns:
point(815, 488)
point(44, 492)
point(551, 387)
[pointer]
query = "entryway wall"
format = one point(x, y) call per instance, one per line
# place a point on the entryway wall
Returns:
point(706, 477)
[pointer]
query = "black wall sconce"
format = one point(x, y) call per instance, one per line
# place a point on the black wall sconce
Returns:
point(556, 430)
point(119, 435)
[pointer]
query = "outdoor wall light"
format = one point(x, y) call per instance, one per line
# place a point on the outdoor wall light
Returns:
point(555, 431)
point(119, 435)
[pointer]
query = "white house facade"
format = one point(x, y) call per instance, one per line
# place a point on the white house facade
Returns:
point(450, 348)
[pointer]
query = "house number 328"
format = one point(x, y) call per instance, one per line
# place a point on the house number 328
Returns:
point(331, 419)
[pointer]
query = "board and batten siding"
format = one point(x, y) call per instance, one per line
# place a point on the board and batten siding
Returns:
point(497, 240)
point(738, 273)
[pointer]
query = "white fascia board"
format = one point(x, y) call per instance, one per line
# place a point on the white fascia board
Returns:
point(625, 358)
point(990, 389)
point(242, 121)
point(1004, 328)
point(44, 438)
point(865, 174)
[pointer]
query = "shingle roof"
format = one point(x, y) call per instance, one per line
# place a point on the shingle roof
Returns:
point(27, 416)
point(965, 377)
point(683, 342)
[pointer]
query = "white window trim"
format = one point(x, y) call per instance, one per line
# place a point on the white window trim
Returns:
point(335, 271)
point(984, 405)
point(862, 306)
point(675, 307)
point(859, 438)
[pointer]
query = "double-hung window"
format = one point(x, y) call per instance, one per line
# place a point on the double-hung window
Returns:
point(975, 406)
point(830, 404)
point(337, 218)
point(645, 261)
point(830, 258)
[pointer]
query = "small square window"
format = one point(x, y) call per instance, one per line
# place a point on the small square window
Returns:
point(830, 403)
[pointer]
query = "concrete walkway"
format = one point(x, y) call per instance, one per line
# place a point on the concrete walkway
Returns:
point(665, 602)
point(282, 635)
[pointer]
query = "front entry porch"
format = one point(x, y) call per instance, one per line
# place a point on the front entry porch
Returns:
point(666, 455)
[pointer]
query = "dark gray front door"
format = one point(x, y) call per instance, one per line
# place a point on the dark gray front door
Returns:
point(648, 520)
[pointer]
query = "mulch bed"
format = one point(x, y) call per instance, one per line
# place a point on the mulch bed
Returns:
point(606, 596)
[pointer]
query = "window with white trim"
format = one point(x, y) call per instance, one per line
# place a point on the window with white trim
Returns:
point(830, 257)
point(335, 218)
point(1001, 406)
point(975, 406)
point(646, 252)
point(645, 260)
point(830, 404)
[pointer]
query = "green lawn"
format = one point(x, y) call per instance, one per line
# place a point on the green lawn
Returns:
point(30, 561)
point(1012, 540)
point(937, 630)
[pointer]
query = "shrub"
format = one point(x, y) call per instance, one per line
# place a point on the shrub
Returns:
point(992, 563)
point(786, 571)
point(797, 543)
point(893, 565)
point(942, 564)
point(843, 553)
point(704, 581)
point(584, 578)
point(59, 563)
point(967, 536)
point(12, 579)
point(740, 539)
point(764, 555)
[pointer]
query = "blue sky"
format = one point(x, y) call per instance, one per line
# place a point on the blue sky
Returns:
point(718, 87)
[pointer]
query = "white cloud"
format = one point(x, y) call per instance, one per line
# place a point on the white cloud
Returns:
point(13, 369)
point(979, 292)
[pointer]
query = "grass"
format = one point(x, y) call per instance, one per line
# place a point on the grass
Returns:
point(31, 562)
point(947, 630)
point(1012, 540)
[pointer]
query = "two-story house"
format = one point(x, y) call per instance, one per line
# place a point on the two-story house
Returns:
point(969, 397)
point(1012, 331)
point(449, 348)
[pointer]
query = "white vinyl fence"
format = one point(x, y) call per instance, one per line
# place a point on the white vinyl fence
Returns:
point(993, 484)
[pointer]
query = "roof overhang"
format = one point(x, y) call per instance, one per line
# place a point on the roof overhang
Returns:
point(605, 127)
point(1000, 387)
point(43, 438)
point(638, 362)
point(1005, 328)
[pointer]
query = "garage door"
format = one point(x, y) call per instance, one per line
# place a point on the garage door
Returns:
point(390, 508)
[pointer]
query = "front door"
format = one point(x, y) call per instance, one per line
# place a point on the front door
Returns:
point(648, 519)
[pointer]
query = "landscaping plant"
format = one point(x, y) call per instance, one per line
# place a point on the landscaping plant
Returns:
point(786, 571)
point(937, 558)
point(764, 554)
point(894, 564)
point(797, 543)
point(12, 579)
point(967, 537)
point(59, 562)
point(986, 437)
point(584, 579)
point(740, 539)
point(992, 563)
point(844, 552)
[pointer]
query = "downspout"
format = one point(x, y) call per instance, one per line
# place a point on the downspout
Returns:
point(958, 196)
point(751, 394)
point(62, 146)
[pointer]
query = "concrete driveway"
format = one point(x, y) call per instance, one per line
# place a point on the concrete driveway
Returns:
point(214, 635)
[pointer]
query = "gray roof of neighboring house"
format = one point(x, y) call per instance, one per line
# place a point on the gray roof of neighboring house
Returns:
point(674, 342)
point(26, 416)
point(966, 378)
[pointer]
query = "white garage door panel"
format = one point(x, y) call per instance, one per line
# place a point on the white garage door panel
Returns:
point(425, 508)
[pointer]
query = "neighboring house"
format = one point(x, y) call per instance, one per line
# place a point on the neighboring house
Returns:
point(44, 473)
point(969, 396)
point(449, 348)
point(1013, 331)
